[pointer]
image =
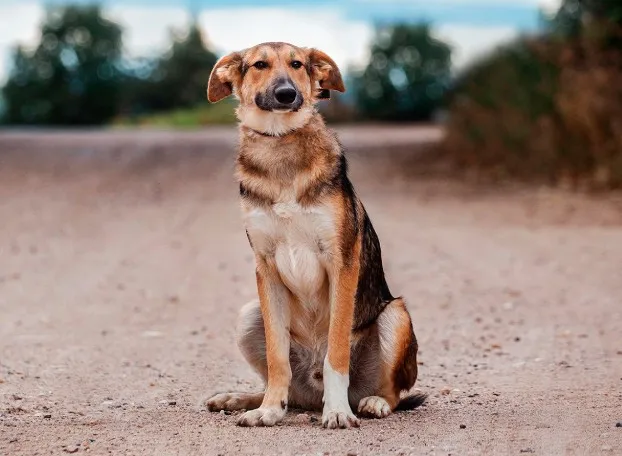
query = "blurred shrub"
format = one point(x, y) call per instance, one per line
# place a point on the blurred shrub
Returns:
point(178, 79)
point(574, 14)
point(407, 75)
point(71, 77)
point(544, 109)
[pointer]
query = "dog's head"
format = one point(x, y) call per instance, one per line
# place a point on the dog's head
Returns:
point(277, 84)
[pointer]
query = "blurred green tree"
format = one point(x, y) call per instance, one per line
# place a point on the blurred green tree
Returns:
point(71, 77)
point(573, 15)
point(407, 76)
point(179, 77)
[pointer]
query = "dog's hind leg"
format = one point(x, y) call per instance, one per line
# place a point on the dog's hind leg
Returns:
point(234, 401)
point(252, 342)
point(251, 338)
point(398, 360)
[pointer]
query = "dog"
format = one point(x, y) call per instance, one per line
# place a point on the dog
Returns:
point(326, 333)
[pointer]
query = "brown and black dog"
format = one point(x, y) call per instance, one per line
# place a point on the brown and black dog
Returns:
point(326, 329)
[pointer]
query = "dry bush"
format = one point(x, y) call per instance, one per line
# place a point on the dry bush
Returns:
point(543, 110)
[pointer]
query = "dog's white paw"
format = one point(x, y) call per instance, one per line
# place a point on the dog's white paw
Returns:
point(262, 417)
point(339, 419)
point(374, 407)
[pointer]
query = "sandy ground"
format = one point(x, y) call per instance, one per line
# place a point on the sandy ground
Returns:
point(123, 263)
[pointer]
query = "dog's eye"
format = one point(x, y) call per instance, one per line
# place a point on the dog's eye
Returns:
point(296, 64)
point(260, 65)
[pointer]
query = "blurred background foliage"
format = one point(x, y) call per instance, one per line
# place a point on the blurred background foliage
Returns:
point(174, 80)
point(545, 108)
point(407, 75)
point(548, 108)
point(71, 78)
point(77, 76)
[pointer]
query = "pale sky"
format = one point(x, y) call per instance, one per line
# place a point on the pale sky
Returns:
point(343, 29)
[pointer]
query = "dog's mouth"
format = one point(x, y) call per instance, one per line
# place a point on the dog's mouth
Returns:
point(282, 97)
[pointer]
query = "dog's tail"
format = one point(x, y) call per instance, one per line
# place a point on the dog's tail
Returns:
point(411, 402)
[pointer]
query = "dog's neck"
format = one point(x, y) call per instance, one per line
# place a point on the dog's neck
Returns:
point(308, 152)
point(274, 123)
point(249, 131)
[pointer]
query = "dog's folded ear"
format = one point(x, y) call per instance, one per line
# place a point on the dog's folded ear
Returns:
point(325, 71)
point(224, 75)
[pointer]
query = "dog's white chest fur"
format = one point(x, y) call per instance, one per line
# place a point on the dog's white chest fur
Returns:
point(298, 239)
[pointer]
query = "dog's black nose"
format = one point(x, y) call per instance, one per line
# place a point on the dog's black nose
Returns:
point(285, 94)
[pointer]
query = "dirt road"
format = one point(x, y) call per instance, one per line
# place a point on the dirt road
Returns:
point(123, 262)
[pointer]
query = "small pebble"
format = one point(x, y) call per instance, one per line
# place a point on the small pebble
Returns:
point(619, 424)
point(172, 403)
point(463, 426)
point(302, 418)
point(48, 416)
point(527, 450)
point(314, 419)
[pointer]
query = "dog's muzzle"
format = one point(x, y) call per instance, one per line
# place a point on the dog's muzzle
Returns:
point(282, 96)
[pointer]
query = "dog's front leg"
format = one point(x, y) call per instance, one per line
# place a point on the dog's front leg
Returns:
point(337, 412)
point(274, 300)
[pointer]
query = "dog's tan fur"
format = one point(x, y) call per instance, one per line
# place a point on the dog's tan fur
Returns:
point(326, 328)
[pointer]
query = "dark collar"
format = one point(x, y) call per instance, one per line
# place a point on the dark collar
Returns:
point(261, 133)
point(269, 135)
